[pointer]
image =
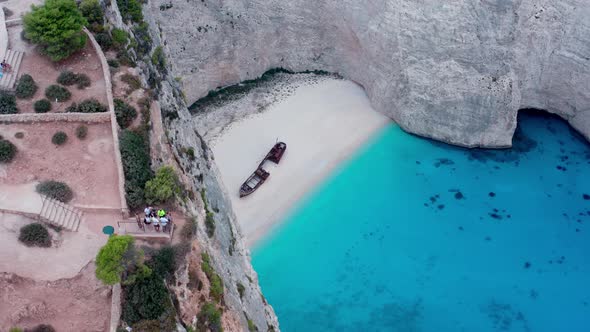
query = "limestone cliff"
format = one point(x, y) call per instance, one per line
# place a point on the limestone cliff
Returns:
point(457, 71)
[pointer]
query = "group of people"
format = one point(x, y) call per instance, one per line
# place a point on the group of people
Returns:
point(5, 67)
point(158, 218)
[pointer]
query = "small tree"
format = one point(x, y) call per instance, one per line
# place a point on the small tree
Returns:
point(55, 189)
point(25, 87)
point(57, 27)
point(116, 259)
point(92, 11)
point(7, 103)
point(7, 151)
point(163, 187)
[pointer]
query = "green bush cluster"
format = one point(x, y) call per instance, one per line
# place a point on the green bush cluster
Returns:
point(57, 92)
point(216, 284)
point(7, 103)
point(163, 187)
point(42, 106)
point(104, 40)
point(159, 59)
point(209, 318)
point(120, 38)
point(132, 81)
point(92, 12)
point(241, 289)
point(113, 63)
point(125, 113)
point(56, 190)
point(59, 138)
point(130, 10)
point(25, 87)
point(68, 78)
point(56, 26)
point(163, 263)
point(81, 132)
point(143, 39)
point(87, 106)
point(111, 259)
point(135, 155)
point(7, 151)
point(146, 299)
point(35, 235)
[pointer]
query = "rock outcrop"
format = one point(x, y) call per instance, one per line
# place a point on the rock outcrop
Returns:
point(454, 71)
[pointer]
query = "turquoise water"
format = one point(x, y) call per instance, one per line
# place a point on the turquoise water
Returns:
point(413, 235)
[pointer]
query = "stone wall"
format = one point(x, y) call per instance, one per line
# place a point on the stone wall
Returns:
point(455, 71)
point(55, 117)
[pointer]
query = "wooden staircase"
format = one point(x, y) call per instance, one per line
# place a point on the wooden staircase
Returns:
point(14, 59)
point(60, 214)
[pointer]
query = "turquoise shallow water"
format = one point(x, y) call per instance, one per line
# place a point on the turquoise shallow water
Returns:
point(412, 235)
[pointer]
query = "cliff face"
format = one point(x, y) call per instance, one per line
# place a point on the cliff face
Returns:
point(455, 71)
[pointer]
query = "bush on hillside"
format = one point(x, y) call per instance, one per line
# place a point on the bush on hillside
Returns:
point(130, 10)
point(125, 113)
point(104, 40)
point(81, 132)
point(25, 87)
point(113, 63)
point(35, 235)
point(92, 12)
point(56, 26)
point(56, 92)
point(135, 155)
point(59, 138)
point(209, 318)
point(87, 106)
point(66, 78)
point(147, 299)
point(56, 190)
point(82, 81)
point(163, 187)
point(7, 151)
point(42, 106)
point(159, 59)
point(120, 38)
point(7, 103)
point(132, 81)
point(112, 259)
point(163, 263)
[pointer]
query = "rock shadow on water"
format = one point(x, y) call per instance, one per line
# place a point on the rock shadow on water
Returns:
point(504, 317)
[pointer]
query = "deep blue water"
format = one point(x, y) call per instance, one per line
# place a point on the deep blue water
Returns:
point(413, 235)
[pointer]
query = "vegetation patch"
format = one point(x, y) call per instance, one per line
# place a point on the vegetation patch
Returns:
point(209, 318)
point(130, 10)
point(7, 151)
point(189, 229)
point(159, 59)
point(88, 106)
point(56, 190)
point(56, 26)
point(125, 113)
point(163, 187)
point(104, 40)
point(241, 289)
point(59, 138)
point(26, 87)
point(113, 63)
point(92, 12)
point(119, 261)
point(132, 81)
point(42, 106)
point(120, 38)
point(35, 235)
point(68, 78)
point(57, 93)
point(81, 132)
point(7, 103)
point(135, 155)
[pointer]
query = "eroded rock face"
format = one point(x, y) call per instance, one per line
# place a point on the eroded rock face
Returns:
point(454, 71)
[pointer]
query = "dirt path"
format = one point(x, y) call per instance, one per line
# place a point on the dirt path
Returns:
point(78, 304)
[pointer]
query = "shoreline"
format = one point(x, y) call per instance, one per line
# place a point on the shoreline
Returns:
point(335, 112)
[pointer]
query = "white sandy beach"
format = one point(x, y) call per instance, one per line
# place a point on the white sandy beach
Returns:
point(323, 124)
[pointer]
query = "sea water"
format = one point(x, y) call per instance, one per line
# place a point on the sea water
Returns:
point(414, 235)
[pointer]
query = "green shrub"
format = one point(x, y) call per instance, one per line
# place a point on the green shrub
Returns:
point(26, 87)
point(59, 138)
point(143, 39)
point(88, 106)
point(56, 190)
point(210, 224)
point(81, 131)
point(41, 328)
point(206, 264)
point(104, 40)
point(135, 155)
point(209, 318)
point(19, 135)
point(163, 187)
point(120, 38)
point(15, 329)
point(132, 81)
point(66, 78)
point(216, 289)
point(189, 229)
point(163, 263)
point(56, 92)
point(113, 63)
point(7, 151)
point(125, 58)
point(56, 26)
point(159, 59)
point(147, 299)
point(73, 108)
point(130, 10)
point(241, 289)
point(42, 106)
point(125, 113)
point(7, 103)
point(111, 259)
point(251, 326)
point(92, 11)
point(82, 81)
point(35, 235)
